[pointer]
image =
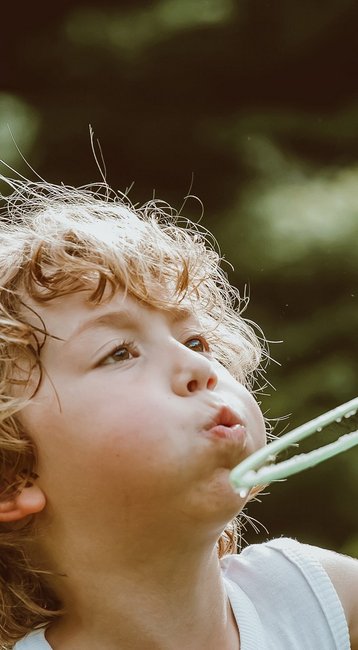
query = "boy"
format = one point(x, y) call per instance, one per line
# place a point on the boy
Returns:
point(125, 383)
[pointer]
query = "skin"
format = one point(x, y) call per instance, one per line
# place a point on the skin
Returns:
point(136, 490)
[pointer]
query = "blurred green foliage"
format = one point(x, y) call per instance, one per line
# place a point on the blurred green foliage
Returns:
point(257, 99)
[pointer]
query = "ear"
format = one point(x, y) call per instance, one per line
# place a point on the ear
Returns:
point(27, 502)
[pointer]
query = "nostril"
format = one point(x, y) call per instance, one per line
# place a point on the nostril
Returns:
point(192, 385)
point(212, 381)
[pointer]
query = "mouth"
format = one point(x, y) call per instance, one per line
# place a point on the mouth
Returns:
point(227, 425)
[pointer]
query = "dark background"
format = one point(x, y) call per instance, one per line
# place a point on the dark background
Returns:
point(258, 100)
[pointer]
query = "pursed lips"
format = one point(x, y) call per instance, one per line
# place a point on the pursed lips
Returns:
point(226, 424)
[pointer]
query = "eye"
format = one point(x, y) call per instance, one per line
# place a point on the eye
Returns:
point(122, 352)
point(198, 344)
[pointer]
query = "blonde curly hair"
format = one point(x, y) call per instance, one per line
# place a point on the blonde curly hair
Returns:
point(56, 240)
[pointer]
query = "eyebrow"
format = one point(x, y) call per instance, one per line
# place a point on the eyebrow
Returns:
point(125, 318)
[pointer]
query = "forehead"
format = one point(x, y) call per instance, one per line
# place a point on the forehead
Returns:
point(70, 315)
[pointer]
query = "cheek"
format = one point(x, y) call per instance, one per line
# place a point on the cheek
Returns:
point(101, 438)
point(257, 428)
point(260, 427)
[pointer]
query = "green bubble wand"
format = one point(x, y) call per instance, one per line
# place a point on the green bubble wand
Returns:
point(254, 471)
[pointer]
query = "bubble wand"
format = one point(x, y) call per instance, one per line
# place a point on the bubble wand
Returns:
point(252, 472)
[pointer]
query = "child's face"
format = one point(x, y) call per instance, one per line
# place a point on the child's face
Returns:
point(129, 443)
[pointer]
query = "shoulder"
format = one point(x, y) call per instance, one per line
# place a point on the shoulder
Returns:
point(317, 585)
point(343, 572)
point(33, 641)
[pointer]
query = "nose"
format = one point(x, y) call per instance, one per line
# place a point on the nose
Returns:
point(192, 372)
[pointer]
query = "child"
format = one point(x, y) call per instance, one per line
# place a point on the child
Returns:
point(126, 371)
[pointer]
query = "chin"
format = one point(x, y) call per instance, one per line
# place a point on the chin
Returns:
point(218, 502)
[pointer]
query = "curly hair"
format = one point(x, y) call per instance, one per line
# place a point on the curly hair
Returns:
point(56, 240)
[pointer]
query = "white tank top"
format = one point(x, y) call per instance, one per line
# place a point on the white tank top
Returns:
point(281, 597)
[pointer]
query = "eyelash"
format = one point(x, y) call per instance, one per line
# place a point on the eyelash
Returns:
point(130, 345)
point(132, 348)
point(203, 340)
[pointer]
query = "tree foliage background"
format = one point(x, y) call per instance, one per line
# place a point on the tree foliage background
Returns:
point(258, 101)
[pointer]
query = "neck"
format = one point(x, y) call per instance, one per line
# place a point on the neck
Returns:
point(160, 599)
